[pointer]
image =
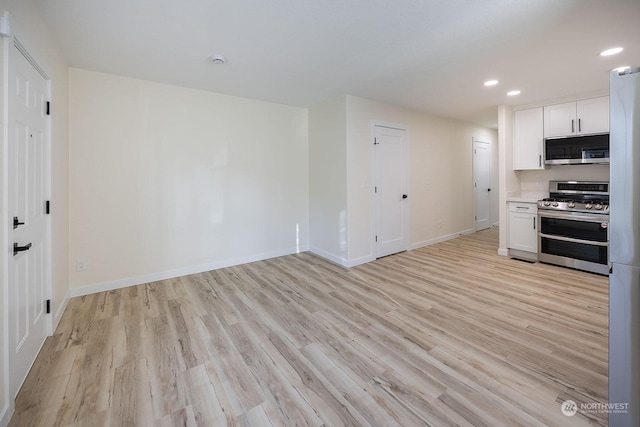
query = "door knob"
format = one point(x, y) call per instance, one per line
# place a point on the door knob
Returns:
point(17, 248)
point(16, 222)
point(404, 196)
point(488, 189)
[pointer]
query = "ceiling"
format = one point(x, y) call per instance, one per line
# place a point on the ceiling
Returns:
point(430, 55)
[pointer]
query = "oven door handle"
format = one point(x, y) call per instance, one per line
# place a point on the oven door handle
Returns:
point(572, 240)
point(574, 216)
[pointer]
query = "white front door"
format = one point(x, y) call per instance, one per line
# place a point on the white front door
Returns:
point(391, 172)
point(482, 184)
point(28, 183)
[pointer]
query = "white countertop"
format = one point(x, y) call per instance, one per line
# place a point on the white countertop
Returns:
point(526, 196)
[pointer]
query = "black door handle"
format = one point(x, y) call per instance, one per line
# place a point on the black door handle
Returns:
point(488, 189)
point(16, 222)
point(404, 196)
point(17, 248)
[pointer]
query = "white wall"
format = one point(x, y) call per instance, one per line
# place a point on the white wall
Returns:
point(328, 179)
point(509, 180)
point(441, 173)
point(27, 24)
point(167, 181)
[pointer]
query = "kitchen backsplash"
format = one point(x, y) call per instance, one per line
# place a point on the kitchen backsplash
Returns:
point(538, 180)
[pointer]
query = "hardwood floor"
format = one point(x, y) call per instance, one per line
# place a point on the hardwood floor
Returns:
point(450, 334)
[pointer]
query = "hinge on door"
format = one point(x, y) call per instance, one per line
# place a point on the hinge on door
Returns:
point(48, 306)
point(48, 112)
point(47, 207)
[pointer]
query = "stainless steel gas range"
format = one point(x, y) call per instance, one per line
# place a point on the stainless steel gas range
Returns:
point(573, 225)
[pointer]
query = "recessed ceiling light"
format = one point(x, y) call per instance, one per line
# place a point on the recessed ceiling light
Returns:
point(491, 83)
point(611, 51)
point(218, 59)
point(513, 93)
point(621, 69)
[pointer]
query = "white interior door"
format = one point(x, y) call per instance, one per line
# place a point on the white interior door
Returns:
point(28, 183)
point(391, 191)
point(482, 184)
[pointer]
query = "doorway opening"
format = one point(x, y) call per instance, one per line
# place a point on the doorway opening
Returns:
point(28, 187)
point(482, 183)
point(391, 190)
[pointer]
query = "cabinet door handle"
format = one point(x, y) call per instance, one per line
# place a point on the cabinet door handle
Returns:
point(534, 222)
point(572, 128)
point(539, 160)
point(579, 126)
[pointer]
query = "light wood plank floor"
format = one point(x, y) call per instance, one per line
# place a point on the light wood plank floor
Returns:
point(450, 334)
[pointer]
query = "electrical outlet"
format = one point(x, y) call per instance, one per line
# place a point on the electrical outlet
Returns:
point(81, 265)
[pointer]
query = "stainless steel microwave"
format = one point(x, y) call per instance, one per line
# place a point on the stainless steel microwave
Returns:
point(587, 149)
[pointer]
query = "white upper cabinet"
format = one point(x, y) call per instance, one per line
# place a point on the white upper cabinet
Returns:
point(593, 115)
point(528, 142)
point(582, 117)
point(560, 119)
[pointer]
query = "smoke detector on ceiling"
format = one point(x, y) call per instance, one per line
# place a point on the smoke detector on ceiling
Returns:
point(218, 59)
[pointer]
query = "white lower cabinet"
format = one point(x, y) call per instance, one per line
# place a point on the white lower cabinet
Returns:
point(523, 233)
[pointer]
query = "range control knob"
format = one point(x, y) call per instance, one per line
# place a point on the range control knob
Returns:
point(598, 206)
point(555, 204)
point(571, 205)
point(547, 203)
point(588, 206)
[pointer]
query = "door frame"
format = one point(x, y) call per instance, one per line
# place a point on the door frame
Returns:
point(473, 176)
point(372, 179)
point(15, 41)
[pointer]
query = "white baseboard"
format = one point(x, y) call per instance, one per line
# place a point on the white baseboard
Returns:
point(440, 239)
point(327, 255)
point(60, 311)
point(496, 224)
point(503, 252)
point(179, 272)
point(341, 261)
point(5, 416)
point(361, 260)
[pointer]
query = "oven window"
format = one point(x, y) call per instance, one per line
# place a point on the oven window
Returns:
point(576, 229)
point(581, 251)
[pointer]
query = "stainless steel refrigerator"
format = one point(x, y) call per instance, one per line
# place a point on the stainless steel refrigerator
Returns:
point(624, 240)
